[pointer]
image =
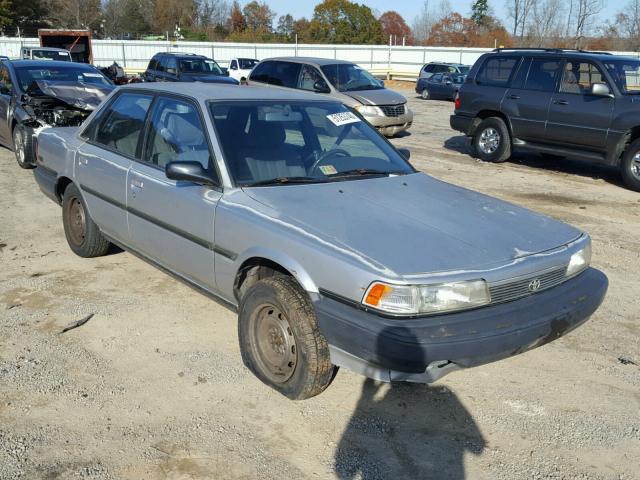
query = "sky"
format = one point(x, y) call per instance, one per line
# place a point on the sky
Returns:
point(410, 8)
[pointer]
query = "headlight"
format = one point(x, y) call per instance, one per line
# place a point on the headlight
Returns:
point(416, 299)
point(369, 110)
point(579, 260)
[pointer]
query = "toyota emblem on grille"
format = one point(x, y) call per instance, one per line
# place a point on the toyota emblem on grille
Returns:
point(534, 285)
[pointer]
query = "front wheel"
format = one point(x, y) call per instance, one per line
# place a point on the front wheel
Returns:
point(425, 94)
point(280, 341)
point(23, 146)
point(630, 166)
point(83, 236)
point(492, 141)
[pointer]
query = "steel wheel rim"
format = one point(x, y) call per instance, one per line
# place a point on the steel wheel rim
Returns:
point(76, 221)
point(489, 140)
point(18, 144)
point(274, 343)
point(425, 94)
point(635, 166)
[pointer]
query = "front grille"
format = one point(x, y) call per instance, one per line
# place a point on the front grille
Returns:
point(393, 110)
point(517, 288)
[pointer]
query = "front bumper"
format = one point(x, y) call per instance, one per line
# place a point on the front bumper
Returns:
point(424, 349)
point(390, 126)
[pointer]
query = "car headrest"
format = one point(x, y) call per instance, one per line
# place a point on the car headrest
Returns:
point(183, 131)
point(265, 134)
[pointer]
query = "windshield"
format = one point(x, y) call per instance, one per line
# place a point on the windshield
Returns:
point(247, 63)
point(626, 74)
point(347, 77)
point(300, 142)
point(27, 76)
point(199, 65)
point(50, 55)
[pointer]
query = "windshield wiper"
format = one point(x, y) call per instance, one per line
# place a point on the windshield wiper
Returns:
point(285, 180)
point(363, 172)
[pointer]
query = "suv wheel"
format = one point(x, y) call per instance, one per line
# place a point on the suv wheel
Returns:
point(280, 341)
point(83, 236)
point(492, 141)
point(425, 94)
point(631, 166)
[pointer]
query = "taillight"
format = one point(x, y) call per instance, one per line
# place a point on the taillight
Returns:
point(457, 100)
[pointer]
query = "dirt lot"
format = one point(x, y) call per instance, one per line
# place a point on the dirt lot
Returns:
point(153, 386)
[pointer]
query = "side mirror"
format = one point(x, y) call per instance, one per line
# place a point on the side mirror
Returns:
point(188, 171)
point(321, 87)
point(601, 90)
point(405, 152)
point(225, 71)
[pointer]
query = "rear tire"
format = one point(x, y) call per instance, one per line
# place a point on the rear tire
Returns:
point(280, 341)
point(425, 94)
point(491, 141)
point(23, 146)
point(630, 166)
point(83, 235)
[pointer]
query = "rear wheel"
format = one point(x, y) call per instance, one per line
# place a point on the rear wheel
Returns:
point(23, 146)
point(280, 341)
point(425, 94)
point(492, 141)
point(83, 235)
point(630, 166)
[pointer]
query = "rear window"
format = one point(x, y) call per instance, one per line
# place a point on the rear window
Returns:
point(497, 71)
point(261, 72)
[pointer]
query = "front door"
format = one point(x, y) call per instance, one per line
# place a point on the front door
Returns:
point(577, 117)
point(103, 161)
point(172, 221)
point(6, 93)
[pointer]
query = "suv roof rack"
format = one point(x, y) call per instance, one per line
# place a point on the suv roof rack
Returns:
point(556, 50)
point(182, 53)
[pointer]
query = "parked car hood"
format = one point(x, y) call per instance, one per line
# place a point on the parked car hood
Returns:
point(414, 223)
point(209, 78)
point(84, 96)
point(381, 96)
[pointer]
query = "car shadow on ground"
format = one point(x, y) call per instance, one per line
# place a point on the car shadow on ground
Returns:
point(569, 166)
point(405, 430)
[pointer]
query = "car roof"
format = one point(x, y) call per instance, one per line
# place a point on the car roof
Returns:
point(555, 52)
point(180, 54)
point(216, 91)
point(311, 60)
point(41, 63)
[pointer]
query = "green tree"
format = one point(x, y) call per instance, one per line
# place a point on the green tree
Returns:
point(6, 13)
point(479, 11)
point(285, 26)
point(259, 16)
point(342, 21)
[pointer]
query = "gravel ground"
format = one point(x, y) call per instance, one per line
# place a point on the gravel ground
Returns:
point(153, 386)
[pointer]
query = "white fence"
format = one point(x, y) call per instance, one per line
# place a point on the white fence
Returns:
point(398, 62)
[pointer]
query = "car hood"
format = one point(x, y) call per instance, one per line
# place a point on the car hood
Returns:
point(413, 223)
point(75, 94)
point(209, 79)
point(381, 96)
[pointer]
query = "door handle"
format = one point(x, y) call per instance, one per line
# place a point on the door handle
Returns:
point(136, 184)
point(561, 102)
point(514, 97)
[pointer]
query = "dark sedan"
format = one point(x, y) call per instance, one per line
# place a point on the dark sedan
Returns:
point(440, 86)
point(44, 93)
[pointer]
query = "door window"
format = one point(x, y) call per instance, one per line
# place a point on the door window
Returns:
point(153, 64)
point(176, 134)
point(437, 78)
point(308, 77)
point(285, 74)
point(172, 65)
point(579, 77)
point(543, 74)
point(6, 85)
point(262, 72)
point(497, 71)
point(122, 123)
point(162, 64)
point(234, 65)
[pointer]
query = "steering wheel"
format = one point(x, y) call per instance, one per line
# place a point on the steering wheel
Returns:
point(328, 154)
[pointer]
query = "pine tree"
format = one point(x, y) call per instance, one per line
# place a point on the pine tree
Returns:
point(479, 11)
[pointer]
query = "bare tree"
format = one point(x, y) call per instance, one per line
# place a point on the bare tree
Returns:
point(518, 11)
point(586, 11)
point(547, 24)
point(428, 16)
point(628, 25)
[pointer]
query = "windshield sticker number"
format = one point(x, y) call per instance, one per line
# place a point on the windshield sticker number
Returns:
point(342, 118)
point(328, 169)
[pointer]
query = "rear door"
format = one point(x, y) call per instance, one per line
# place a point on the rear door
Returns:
point(490, 83)
point(171, 221)
point(575, 116)
point(103, 161)
point(527, 102)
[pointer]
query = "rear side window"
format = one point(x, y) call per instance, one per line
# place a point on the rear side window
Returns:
point(262, 72)
point(172, 65)
point(497, 71)
point(543, 74)
point(429, 68)
point(308, 77)
point(162, 64)
point(153, 64)
point(121, 125)
point(285, 74)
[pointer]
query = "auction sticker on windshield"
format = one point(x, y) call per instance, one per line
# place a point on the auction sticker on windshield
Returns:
point(342, 118)
point(328, 169)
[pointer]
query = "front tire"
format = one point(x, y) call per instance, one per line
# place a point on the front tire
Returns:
point(630, 166)
point(280, 341)
point(83, 236)
point(23, 146)
point(492, 141)
point(425, 94)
